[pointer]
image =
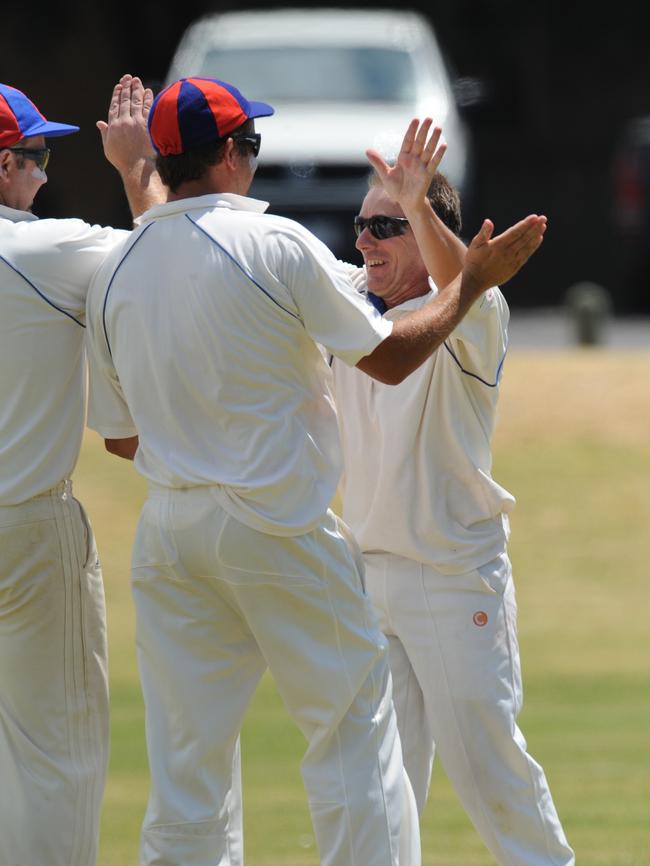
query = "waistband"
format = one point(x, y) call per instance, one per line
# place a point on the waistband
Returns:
point(158, 491)
point(62, 492)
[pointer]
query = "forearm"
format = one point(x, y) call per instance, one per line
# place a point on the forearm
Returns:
point(442, 251)
point(124, 448)
point(417, 335)
point(142, 186)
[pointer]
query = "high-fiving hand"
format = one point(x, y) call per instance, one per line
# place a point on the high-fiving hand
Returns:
point(408, 180)
point(125, 137)
point(493, 261)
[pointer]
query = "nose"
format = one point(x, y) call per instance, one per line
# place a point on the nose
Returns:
point(364, 241)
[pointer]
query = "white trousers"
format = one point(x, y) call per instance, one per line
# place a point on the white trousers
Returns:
point(53, 684)
point(454, 657)
point(216, 602)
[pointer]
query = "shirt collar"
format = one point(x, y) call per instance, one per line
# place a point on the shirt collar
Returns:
point(227, 200)
point(15, 215)
point(405, 306)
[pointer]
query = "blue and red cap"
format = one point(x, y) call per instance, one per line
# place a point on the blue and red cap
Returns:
point(192, 112)
point(19, 118)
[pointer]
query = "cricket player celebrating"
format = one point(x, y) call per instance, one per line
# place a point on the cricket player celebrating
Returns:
point(432, 523)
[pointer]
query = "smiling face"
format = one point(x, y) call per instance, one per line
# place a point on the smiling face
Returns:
point(395, 268)
point(20, 177)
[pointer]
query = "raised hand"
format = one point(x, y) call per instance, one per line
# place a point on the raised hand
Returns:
point(493, 261)
point(408, 180)
point(125, 137)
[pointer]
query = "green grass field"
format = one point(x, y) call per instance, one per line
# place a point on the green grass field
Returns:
point(573, 445)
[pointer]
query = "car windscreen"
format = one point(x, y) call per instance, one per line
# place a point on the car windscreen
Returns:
point(319, 73)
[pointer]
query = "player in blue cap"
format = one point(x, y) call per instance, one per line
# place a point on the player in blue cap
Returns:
point(23, 130)
point(53, 677)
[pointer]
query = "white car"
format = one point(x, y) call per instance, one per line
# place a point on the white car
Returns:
point(341, 81)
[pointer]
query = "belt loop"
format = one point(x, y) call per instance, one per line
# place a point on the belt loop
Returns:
point(63, 490)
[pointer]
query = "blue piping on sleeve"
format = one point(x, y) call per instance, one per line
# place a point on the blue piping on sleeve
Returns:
point(241, 268)
point(38, 292)
point(474, 375)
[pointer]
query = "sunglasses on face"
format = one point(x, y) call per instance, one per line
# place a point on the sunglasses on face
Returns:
point(253, 141)
point(40, 155)
point(381, 227)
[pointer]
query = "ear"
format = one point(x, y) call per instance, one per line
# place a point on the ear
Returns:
point(5, 163)
point(230, 155)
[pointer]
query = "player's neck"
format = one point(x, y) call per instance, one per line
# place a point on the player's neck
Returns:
point(400, 296)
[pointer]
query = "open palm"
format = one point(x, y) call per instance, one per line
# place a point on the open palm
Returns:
point(408, 180)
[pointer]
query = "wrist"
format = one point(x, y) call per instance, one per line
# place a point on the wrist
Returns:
point(416, 210)
point(135, 166)
point(471, 285)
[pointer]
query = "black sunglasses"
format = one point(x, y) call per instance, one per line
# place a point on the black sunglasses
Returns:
point(40, 155)
point(254, 141)
point(381, 227)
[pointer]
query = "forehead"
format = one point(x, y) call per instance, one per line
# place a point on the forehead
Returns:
point(378, 202)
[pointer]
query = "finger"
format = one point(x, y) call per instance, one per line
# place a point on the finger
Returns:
point(135, 104)
point(432, 143)
point(421, 136)
point(436, 159)
point(114, 106)
point(518, 233)
point(532, 230)
point(409, 136)
point(124, 103)
point(535, 235)
point(523, 254)
point(527, 244)
point(147, 101)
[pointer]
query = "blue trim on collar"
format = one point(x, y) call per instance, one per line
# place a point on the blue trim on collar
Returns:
point(377, 302)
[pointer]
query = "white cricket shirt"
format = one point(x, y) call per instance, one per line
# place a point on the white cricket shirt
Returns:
point(202, 336)
point(45, 268)
point(417, 460)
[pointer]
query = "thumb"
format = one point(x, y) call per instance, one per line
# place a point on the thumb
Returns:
point(484, 233)
point(102, 126)
point(379, 164)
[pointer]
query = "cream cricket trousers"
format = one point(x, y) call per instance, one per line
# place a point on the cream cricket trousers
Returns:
point(457, 689)
point(216, 602)
point(53, 684)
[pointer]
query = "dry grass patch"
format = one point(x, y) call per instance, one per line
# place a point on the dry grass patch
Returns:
point(597, 394)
